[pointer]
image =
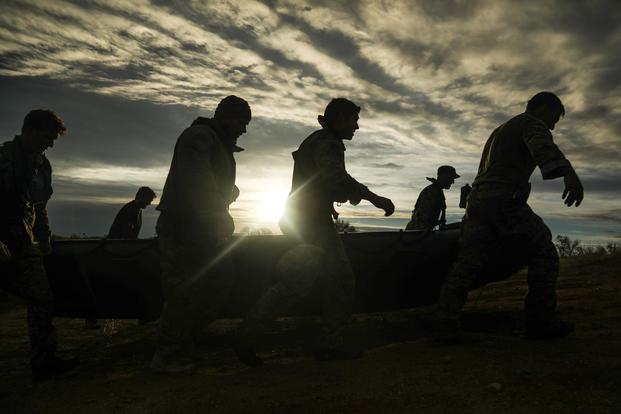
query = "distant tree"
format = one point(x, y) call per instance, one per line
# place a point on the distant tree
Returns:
point(613, 248)
point(596, 250)
point(343, 226)
point(567, 247)
point(251, 231)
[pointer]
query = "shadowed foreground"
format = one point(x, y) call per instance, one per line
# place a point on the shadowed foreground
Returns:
point(401, 372)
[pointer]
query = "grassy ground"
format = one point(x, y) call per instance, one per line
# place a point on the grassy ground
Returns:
point(402, 371)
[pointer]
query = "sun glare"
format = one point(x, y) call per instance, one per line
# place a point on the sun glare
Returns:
point(271, 206)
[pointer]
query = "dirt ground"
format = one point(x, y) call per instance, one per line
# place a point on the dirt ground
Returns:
point(402, 371)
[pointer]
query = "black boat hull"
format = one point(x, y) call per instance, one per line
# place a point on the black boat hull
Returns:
point(394, 270)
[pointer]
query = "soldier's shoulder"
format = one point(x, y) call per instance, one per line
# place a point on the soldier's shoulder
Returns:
point(198, 136)
point(429, 189)
point(528, 121)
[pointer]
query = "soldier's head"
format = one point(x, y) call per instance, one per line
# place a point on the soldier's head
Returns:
point(446, 176)
point(341, 118)
point(144, 196)
point(40, 129)
point(234, 115)
point(547, 107)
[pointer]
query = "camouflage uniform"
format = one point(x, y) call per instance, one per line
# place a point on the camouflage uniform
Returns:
point(196, 276)
point(25, 188)
point(319, 179)
point(497, 211)
point(430, 208)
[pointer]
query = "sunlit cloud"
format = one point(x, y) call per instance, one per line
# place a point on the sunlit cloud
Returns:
point(434, 78)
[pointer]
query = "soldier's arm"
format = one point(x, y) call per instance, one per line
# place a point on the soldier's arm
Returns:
point(332, 174)
point(426, 212)
point(544, 151)
point(342, 186)
point(201, 188)
point(5, 253)
point(234, 194)
point(196, 170)
point(552, 162)
point(41, 229)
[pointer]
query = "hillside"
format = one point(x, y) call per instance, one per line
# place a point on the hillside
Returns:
point(403, 371)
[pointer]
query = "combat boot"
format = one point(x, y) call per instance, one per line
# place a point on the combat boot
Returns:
point(553, 329)
point(50, 366)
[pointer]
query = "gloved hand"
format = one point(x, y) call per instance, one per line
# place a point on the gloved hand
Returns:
point(5, 253)
point(234, 194)
point(384, 204)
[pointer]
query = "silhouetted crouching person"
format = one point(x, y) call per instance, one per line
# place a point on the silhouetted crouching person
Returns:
point(25, 188)
point(430, 208)
point(128, 220)
point(319, 179)
point(497, 210)
point(193, 227)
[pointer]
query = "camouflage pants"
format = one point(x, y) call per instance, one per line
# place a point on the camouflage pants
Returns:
point(489, 221)
point(319, 258)
point(29, 282)
point(197, 280)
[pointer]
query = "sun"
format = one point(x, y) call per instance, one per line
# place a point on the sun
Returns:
point(271, 206)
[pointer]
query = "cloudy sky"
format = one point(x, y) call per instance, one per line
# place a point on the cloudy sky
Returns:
point(434, 78)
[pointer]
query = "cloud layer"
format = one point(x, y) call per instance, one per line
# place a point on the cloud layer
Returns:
point(433, 78)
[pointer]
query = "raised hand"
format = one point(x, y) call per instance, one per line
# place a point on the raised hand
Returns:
point(574, 192)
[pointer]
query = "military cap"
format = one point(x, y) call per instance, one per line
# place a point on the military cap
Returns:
point(448, 170)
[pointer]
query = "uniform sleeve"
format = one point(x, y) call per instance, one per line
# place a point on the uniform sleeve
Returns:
point(330, 161)
point(41, 228)
point(124, 224)
point(544, 151)
point(427, 210)
point(196, 171)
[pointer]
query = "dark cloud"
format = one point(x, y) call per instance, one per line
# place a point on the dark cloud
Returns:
point(610, 215)
point(450, 9)
point(102, 129)
point(601, 183)
point(469, 79)
point(242, 37)
point(345, 49)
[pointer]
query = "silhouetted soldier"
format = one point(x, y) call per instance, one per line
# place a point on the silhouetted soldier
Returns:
point(430, 208)
point(128, 220)
point(25, 188)
point(497, 211)
point(319, 180)
point(193, 226)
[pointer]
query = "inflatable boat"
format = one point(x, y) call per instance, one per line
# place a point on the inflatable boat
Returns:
point(120, 279)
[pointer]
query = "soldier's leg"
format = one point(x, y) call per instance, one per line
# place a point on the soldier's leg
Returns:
point(475, 243)
point(178, 262)
point(31, 284)
point(210, 293)
point(298, 269)
point(543, 268)
point(338, 287)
